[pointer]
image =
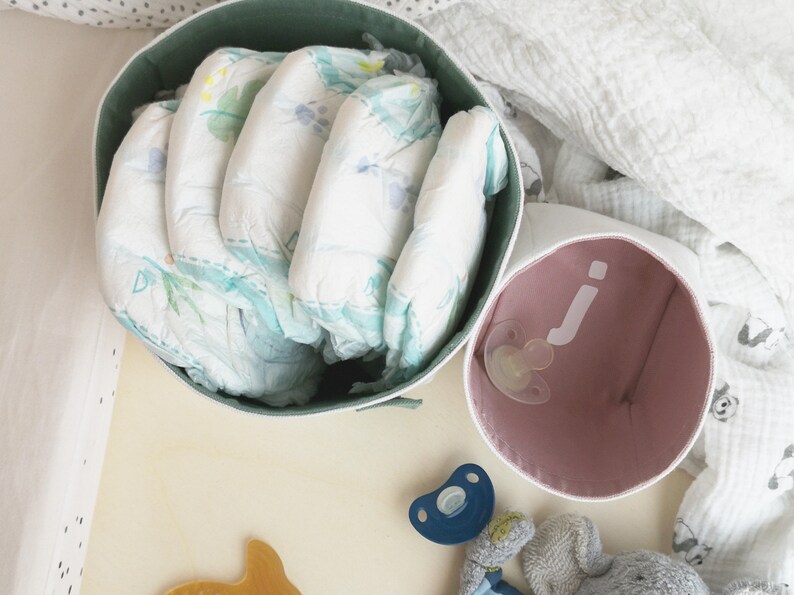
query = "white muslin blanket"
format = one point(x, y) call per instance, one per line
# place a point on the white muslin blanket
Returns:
point(434, 273)
point(167, 310)
point(360, 210)
point(272, 167)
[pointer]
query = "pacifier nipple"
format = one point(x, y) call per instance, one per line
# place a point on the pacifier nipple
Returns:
point(512, 363)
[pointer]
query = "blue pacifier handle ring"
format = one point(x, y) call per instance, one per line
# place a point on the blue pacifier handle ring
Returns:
point(457, 511)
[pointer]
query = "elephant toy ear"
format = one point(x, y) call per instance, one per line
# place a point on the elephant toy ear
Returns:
point(564, 551)
point(748, 587)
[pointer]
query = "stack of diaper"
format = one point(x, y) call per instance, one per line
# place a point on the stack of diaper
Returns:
point(288, 211)
point(433, 276)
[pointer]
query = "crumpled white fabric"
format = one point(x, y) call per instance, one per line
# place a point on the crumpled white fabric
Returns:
point(431, 281)
point(176, 319)
point(360, 209)
point(272, 167)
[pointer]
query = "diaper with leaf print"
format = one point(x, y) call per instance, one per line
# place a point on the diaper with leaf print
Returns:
point(360, 210)
point(205, 130)
point(175, 317)
point(432, 279)
point(272, 167)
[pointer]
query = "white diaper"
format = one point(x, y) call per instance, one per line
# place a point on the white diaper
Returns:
point(178, 320)
point(360, 210)
point(212, 113)
point(272, 167)
point(431, 282)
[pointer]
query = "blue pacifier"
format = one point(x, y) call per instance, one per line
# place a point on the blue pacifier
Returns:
point(457, 511)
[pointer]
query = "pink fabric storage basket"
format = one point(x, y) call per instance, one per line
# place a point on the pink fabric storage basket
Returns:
point(629, 383)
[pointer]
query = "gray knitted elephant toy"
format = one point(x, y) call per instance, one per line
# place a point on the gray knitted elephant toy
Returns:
point(565, 557)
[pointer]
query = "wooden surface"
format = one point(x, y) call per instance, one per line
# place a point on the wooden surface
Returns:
point(187, 483)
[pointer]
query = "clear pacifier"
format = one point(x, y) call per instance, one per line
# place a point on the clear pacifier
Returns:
point(512, 363)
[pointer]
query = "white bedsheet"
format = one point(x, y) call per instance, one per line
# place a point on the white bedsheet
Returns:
point(59, 345)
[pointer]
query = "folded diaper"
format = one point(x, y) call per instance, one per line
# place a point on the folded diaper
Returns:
point(433, 276)
point(212, 113)
point(272, 168)
point(178, 320)
point(360, 209)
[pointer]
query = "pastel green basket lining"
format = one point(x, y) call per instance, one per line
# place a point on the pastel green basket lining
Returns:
point(286, 25)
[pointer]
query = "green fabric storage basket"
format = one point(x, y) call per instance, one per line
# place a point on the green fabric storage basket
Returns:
point(286, 25)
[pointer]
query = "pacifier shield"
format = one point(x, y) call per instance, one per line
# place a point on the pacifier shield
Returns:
point(512, 363)
point(458, 510)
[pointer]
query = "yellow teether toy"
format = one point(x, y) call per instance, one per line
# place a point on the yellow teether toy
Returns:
point(264, 575)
